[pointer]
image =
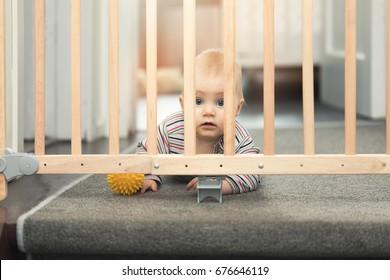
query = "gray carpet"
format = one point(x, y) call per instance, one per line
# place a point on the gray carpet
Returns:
point(317, 216)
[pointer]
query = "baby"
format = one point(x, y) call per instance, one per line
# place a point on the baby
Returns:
point(209, 121)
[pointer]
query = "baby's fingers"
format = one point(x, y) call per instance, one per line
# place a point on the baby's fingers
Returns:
point(148, 184)
point(192, 184)
point(144, 188)
point(154, 187)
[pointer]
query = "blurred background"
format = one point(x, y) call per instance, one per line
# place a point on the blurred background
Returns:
point(328, 29)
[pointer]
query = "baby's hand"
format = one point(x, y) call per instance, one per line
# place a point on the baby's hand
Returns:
point(148, 184)
point(193, 184)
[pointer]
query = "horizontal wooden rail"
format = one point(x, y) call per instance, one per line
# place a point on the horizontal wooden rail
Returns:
point(94, 164)
point(215, 164)
point(276, 164)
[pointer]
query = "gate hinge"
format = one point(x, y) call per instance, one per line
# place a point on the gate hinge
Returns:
point(15, 164)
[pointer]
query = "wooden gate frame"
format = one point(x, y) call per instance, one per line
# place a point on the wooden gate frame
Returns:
point(189, 163)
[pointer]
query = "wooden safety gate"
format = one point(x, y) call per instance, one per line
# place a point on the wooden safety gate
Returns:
point(190, 163)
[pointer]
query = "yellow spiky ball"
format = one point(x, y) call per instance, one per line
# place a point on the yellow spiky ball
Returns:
point(125, 184)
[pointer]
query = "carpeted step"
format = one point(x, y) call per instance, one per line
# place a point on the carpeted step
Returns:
point(316, 216)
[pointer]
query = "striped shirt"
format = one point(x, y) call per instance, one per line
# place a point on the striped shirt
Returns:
point(170, 140)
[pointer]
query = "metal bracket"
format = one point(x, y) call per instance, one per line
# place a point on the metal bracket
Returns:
point(15, 164)
point(210, 186)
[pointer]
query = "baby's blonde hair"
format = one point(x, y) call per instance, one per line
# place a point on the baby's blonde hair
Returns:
point(211, 63)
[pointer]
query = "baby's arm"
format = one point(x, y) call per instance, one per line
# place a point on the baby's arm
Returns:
point(226, 187)
point(244, 183)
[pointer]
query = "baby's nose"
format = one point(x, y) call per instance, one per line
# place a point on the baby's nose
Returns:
point(209, 109)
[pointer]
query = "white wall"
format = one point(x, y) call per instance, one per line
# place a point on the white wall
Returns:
point(288, 32)
point(94, 69)
point(209, 22)
point(370, 56)
point(249, 31)
point(14, 74)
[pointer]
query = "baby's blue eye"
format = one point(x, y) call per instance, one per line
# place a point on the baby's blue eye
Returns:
point(198, 101)
point(220, 102)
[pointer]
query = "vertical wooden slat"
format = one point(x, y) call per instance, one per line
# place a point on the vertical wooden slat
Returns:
point(2, 80)
point(388, 82)
point(350, 77)
point(113, 34)
point(189, 51)
point(3, 183)
point(39, 68)
point(229, 64)
point(307, 75)
point(269, 78)
point(151, 74)
point(75, 26)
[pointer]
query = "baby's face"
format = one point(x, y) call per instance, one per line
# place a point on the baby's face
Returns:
point(209, 107)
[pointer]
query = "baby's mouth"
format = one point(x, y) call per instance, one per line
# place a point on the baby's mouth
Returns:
point(208, 125)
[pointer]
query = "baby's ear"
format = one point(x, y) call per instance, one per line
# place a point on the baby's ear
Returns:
point(239, 106)
point(181, 102)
